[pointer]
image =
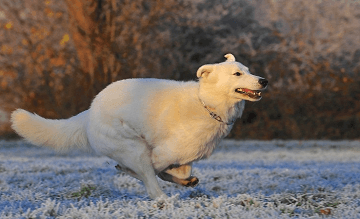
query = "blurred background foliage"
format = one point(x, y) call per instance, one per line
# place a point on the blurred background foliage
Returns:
point(56, 55)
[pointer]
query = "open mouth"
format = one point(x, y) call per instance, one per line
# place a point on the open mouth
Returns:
point(255, 94)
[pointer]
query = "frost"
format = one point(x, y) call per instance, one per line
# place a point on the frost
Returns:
point(242, 179)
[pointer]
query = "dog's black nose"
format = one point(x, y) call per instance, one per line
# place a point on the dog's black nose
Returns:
point(263, 82)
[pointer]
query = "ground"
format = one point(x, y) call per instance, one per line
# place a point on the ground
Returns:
point(242, 179)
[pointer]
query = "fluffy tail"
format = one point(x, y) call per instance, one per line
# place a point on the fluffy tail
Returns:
point(61, 135)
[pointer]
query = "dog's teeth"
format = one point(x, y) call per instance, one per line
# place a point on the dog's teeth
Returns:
point(240, 90)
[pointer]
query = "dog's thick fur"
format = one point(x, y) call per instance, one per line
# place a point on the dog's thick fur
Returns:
point(151, 126)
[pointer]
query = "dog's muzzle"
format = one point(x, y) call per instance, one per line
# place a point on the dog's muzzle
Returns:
point(254, 94)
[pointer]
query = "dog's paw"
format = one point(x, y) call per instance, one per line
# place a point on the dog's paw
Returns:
point(192, 181)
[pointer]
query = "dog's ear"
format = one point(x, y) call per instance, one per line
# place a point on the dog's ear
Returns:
point(204, 70)
point(230, 57)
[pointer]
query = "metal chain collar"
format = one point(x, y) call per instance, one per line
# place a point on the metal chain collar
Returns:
point(215, 116)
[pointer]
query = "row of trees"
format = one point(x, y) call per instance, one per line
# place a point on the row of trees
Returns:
point(55, 56)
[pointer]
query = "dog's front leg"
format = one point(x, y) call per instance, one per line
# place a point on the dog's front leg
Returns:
point(180, 175)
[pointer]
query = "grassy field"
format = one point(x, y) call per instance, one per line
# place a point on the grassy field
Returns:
point(242, 179)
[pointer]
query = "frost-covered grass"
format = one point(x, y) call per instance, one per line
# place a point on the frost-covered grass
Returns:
point(242, 179)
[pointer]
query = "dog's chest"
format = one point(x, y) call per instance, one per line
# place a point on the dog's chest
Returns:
point(212, 140)
point(201, 144)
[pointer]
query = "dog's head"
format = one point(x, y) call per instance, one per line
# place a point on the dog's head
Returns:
point(232, 79)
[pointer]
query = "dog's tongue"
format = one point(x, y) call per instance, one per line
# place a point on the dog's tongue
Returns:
point(247, 90)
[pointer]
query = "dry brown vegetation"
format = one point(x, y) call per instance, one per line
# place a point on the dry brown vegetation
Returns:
point(56, 55)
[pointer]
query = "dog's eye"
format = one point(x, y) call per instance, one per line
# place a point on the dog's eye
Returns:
point(237, 73)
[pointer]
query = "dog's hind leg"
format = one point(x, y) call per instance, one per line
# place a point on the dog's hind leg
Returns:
point(134, 157)
point(127, 171)
point(180, 175)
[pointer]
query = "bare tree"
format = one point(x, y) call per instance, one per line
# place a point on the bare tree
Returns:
point(56, 55)
point(107, 33)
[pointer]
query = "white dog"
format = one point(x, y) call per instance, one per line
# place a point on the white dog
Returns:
point(152, 126)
